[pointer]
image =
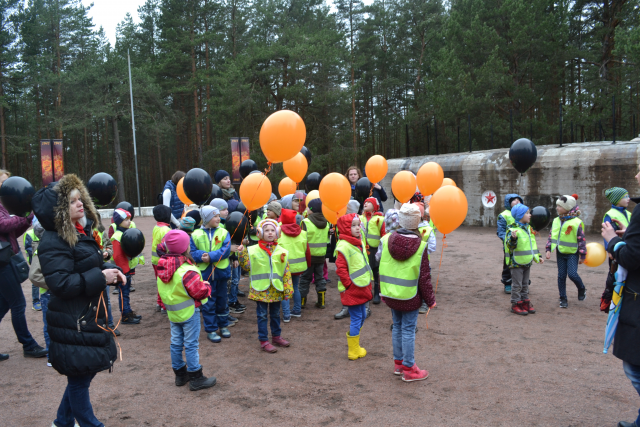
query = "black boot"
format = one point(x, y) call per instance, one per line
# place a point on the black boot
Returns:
point(376, 293)
point(182, 376)
point(303, 302)
point(342, 314)
point(197, 381)
point(320, 303)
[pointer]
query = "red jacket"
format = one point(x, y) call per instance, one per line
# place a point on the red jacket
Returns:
point(353, 295)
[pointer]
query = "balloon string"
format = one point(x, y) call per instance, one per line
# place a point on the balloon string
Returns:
point(102, 302)
point(444, 245)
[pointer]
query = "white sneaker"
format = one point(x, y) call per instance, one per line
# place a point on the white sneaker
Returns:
point(49, 364)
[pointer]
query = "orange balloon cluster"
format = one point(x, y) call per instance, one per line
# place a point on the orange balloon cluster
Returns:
point(429, 178)
point(448, 181)
point(255, 191)
point(332, 216)
point(282, 136)
point(376, 168)
point(335, 191)
point(181, 194)
point(448, 208)
point(403, 186)
point(286, 186)
point(296, 167)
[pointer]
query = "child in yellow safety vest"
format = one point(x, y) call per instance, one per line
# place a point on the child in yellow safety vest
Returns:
point(317, 228)
point(567, 240)
point(618, 215)
point(428, 234)
point(294, 240)
point(520, 251)
point(182, 289)
point(505, 220)
point(373, 224)
point(162, 215)
point(270, 275)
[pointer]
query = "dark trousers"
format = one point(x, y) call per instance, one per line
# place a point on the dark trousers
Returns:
point(568, 265)
point(307, 276)
point(215, 313)
point(374, 264)
point(123, 296)
point(12, 298)
point(506, 272)
point(76, 404)
point(272, 309)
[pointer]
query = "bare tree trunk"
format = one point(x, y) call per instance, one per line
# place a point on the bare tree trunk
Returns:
point(195, 94)
point(159, 155)
point(116, 148)
point(3, 131)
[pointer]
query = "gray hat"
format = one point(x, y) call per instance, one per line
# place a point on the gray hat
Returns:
point(353, 207)
point(275, 207)
point(207, 213)
point(221, 204)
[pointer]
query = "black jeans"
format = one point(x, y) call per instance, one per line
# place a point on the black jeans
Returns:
point(12, 298)
point(506, 272)
point(305, 279)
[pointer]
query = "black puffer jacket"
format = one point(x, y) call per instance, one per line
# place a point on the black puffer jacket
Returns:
point(72, 265)
point(626, 342)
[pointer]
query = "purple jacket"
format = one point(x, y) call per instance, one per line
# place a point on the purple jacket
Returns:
point(12, 227)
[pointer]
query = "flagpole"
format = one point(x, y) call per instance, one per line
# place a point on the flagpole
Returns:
point(133, 127)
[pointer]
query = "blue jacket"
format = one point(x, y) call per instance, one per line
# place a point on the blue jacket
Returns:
point(176, 204)
point(222, 253)
point(607, 218)
point(502, 223)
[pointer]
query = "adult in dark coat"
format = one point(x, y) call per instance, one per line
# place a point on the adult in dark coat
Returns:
point(77, 276)
point(626, 342)
point(353, 175)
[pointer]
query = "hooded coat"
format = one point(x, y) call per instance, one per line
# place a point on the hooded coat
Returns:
point(352, 295)
point(72, 265)
point(502, 223)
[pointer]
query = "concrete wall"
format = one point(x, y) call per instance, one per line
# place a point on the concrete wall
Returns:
point(586, 169)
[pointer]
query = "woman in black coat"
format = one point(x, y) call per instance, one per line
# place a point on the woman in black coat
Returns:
point(626, 342)
point(353, 175)
point(75, 272)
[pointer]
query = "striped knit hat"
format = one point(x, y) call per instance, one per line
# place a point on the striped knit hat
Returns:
point(615, 194)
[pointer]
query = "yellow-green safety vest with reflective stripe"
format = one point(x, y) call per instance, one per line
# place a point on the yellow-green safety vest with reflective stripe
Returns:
point(297, 248)
point(425, 232)
point(508, 217)
point(255, 225)
point(317, 238)
point(566, 243)
point(399, 279)
point(33, 237)
point(180, 306)
point(432, 225)
point(359, 270)
point(203, 243)
point(158, 235)
point(372, 229)
point(133, 262)
point(267, 270)
point(616, 214)
point(115, 226)
point(526, 250)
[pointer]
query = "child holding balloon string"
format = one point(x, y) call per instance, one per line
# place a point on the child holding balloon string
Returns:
point(373, 223)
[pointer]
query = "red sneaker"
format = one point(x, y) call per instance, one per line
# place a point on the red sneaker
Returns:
point(266, 346)
point(414, 374)
point(517, 308)
point(526, 304)
point(397, 369)
point(279, 341)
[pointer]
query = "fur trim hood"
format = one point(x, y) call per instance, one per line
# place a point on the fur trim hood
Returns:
point(51, 205)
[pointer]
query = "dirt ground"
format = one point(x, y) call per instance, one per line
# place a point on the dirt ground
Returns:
point(486, 365)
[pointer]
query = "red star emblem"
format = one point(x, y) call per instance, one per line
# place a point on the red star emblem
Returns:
point(490, 198)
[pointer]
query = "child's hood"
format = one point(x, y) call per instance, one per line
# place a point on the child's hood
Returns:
point(344, 224)
point(289, 226)
point(318, 219)
point(403, 244)
point(168, 265)
point(509, 198)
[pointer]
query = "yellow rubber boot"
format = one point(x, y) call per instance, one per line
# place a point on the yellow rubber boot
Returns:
point(355, 351)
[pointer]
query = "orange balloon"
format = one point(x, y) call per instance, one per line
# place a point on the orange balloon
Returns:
point(448, 208)
point(296, 167)
point(255, 191)
point(286, 186)
point(282, 136)
point(448, 181)
point(335, 191)
point(403, 186)
point(429, 178)
point(376, 168)
point(181, 195)
point(332, 216)
point(313, 194)
point(596, 255)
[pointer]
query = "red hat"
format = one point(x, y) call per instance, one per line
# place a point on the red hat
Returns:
point(374, 202)
point(288, 216)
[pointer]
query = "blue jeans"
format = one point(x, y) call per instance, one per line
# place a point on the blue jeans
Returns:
point(568, 264)
point(404, 336)
point(123, 296)
point(76, 404)
point(357, 313)
point(633, 373)
point(297, 306)
point(35, 294)
point(215, 313)
point(186, 335)
point(233, 289)
point(109, 315)
point(273, 310)
point(12, 298)
point(44, 301)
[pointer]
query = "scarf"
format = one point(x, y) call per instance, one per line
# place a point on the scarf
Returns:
point(573, 213)
point(228, 193)
point(268, 247)
point(80, 229)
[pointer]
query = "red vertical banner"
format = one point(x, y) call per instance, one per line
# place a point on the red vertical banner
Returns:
point(58, 160)
point(235, 161)
point(244, 149)
point(46, 162)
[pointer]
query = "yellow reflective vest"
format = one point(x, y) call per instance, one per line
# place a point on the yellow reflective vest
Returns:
point(563, 238)
point(204, 243)
point(180, 306)
point(359, 270)
point(399, 279)
point(297, 248)
point(267, 270)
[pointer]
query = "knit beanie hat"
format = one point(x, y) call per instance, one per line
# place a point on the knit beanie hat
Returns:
point(518, 211)
point(615, 194)
point(207, 213)
point(275, 207)
point(196, 217)
point(162, 213)
point(315, 205)
point(288, 216)
point(120, 215)
point(187, 223)
point(409, 216)
point(176, 241)
point(391, 220)
point(374, 202)
point(232, 205)
point(272, 198)
point(220, 175)
point(220, 204)
point(567, 202)
point(353, 207)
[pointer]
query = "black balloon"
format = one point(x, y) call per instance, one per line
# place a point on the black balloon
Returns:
point(16, 194)
point(307, 154)
point(313, 181)
point(256, 171)
point(247, 167)
point(237, 226)
point(127, 207)
point(363, 188)
point(195, 214)
point(216, 193)
point(132, 242)
point(523, 154)
point(197, 186)
point(102, 188)
point(540, 217)
point(243, 210)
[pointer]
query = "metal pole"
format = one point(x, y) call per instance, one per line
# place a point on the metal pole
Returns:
point(133, 127)
point(511, 122)
point(560, 116)
point(492, 136)
point(435, 127)
point(469, 123)
point(613, 111)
